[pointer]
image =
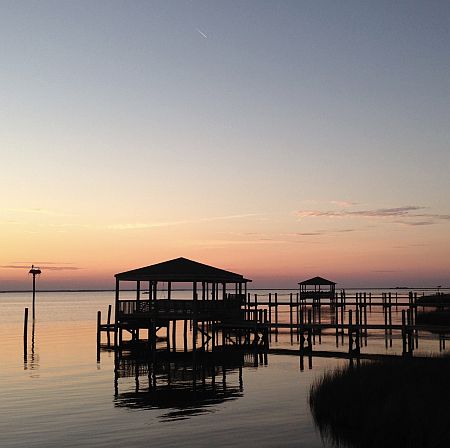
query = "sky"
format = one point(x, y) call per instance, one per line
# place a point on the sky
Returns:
point(277, 139)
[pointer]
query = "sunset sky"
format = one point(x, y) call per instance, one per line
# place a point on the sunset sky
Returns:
point(277, 139)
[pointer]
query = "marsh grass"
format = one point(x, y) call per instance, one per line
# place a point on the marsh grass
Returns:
point(401, 403)
point(439, 317)
point(434, 299)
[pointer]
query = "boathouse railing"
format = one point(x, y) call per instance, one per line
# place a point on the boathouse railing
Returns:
point(177, 307)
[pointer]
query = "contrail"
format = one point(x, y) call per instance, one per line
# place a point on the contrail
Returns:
point(202, 33)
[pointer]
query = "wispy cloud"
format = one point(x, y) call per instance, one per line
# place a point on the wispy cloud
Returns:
point(41, 262)
point(37, 211)
point(344, 203)
point(415, 223)
point(142, 225)
point(411, 215)
point(375, 213)
point(47, 268)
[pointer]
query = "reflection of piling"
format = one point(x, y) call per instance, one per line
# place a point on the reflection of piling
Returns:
point(407, 336)
point(353, 336)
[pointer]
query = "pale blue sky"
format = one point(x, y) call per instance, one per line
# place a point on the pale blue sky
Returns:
point(207, 108)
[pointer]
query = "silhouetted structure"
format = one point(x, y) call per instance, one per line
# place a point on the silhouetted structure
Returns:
point(217, 297)
point(317, 288)
point(34, 272)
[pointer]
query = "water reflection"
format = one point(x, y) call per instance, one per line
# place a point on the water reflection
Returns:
point(31, 359)
point(184, 384)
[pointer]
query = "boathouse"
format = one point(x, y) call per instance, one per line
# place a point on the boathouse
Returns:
point(317, 288)
point(215, 295)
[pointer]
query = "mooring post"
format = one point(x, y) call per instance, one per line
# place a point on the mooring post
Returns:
point(174, 335)
point(350, 330)
point(390, 313)
point(109, 326)
point(185, 338)
point(25, 333)
point(385, 313)
point(410, 337)
point(403, 333)
point(99, 323)
point(336, 320)
point(276, 313)
point(270, 307)
point(290, 310)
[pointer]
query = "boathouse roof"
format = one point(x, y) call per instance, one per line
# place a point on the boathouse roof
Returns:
point(181, 270)
point(317, 281)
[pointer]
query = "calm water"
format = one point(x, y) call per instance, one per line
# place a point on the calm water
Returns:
point(60, 396)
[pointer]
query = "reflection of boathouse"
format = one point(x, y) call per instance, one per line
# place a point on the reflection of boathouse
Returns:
point(184, 384)
point(216, 301)
point(316, 289)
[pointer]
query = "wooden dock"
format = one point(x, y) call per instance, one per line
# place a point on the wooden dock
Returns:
point(261, 317)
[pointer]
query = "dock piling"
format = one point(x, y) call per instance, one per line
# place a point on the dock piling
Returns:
point(25, 333)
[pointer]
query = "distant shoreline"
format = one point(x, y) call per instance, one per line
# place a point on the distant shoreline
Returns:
point(388, 288)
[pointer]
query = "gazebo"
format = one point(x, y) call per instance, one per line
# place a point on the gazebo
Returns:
point(317, 288)
point(217, 296)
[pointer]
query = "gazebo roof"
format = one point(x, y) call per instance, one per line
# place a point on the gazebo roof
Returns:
point(181, 270)
point(317, 281)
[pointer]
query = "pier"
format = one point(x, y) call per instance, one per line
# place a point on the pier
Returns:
point(255, 320)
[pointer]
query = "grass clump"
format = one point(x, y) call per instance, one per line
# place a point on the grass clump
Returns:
point(434, 299)
point(438, 318)
point(399, 403)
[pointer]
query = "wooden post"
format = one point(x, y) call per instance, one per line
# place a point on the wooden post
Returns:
point(99, 323)
point(409, 332)
point(25, 333)
point(350, 330)
point(109, 326)
point(404, 347)
point(276, 312)
point(174, 335)
point(390, 310)
point(309, 331)
point(116, 311)
point(290, 310)
point(34, 296)
point(185, 339)
point(270, 307)
point(194, 336)
point(336, 322)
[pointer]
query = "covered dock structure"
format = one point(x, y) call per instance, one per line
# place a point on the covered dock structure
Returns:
point(213, 295)
point(316, 289)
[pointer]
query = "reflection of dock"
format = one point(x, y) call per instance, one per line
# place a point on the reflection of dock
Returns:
point(186, 383)
point(337, 354)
